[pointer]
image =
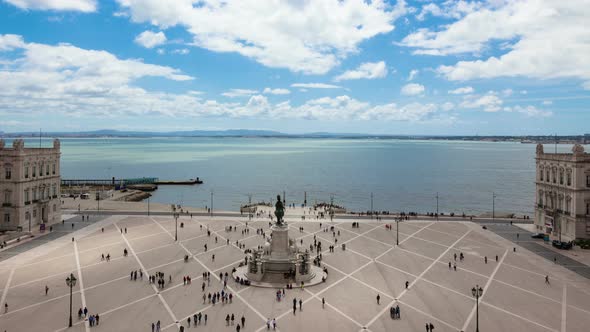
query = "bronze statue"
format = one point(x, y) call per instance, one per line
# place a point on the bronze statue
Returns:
point(279, 211)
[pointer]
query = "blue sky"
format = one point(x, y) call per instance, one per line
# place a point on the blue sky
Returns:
point(408, 67)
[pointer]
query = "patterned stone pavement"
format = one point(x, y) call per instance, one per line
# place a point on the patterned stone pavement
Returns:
point(515, 297)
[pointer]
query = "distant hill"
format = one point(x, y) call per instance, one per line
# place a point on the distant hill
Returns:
point(121, 133)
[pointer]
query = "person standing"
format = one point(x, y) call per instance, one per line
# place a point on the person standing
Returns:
point(378, 298)
point(294, 306)
point(46, 289)
point(323, 303)
point(243, 321)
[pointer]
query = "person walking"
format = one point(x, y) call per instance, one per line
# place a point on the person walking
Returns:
point(5, 307)
point(243, 319)
point(153, 327)
point(323, 303)
point(427, 327)
point(407, 284)
point(46, 289)
point(547, 279)
point(97, 318)
point(378, 298)
point(158, 326)
point(300, 305)
point(294, 306)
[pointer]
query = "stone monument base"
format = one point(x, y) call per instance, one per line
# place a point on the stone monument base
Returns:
point(277, 280)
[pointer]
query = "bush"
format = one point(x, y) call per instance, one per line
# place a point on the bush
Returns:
point(583, 243)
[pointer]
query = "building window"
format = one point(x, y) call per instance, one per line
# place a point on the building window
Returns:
point(34, 171)
point(588, 209)
point(27, 196)
point(587, 180)
point(7, 197)
point(53, 190)
point(8, 173)
point(554, 176)
point(541, 175)
point(26, 172)
point(546, 176)
point(6, 218)
point(47, 169)
point(34, 213)
point(569, 178)
point(54, 208)
point(53, 169)
point(34, 194)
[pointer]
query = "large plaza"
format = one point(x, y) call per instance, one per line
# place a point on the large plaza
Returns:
point(516, 296)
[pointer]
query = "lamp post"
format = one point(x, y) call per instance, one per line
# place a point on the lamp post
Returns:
point(211, 209)
point(397, 230)
point(493, 205)
point(371, 205)
point(249, 206)
point(437, 206)
point(176, 224)
point(71, 282)
point(148, 199)
point(477, 292)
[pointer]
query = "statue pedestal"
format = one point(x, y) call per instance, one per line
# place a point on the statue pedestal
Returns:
point(279, 246)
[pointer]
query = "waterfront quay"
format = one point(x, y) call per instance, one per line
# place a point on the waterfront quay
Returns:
point(516, 294)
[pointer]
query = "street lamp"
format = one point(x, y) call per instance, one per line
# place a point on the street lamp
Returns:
point(493, 205)
point(371, 205)
point(477, 292)
point(211, 209)
point(176, 215)
point(436, 206)
point(71, 282)
point(148, 199)
point(249, 206)
point(397, 230)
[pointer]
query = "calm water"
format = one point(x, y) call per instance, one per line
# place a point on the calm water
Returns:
point(402, 175)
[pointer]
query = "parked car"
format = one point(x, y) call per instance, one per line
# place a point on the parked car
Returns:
point(562, 245)
point(538, 236)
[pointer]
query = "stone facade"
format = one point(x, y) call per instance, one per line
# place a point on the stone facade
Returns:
point(562, 206)
point(29, 186)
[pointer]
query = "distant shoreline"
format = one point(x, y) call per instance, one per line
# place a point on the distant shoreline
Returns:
point(569, 139)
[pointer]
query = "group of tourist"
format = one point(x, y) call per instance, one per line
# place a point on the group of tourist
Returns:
point(93, 320)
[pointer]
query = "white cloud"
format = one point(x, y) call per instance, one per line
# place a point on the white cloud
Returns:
point(85, 6)
point(315, 86)
point(181, 51)
point(413, 74)
point(450, 9)
point(507, 92)
point(546, 39)
point(233, 93)
point(11, 42)
point(303, 36)
point(461, 91)
point(276, 91)
point(66, 79)
point(368, 70)
point(447, 106)
point(529, 111)
point(149, 39)
point(489, 102)
point(547, 102)
point(412, 89)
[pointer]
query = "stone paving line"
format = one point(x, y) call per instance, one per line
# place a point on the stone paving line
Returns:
point(537, 248)
point(160, 297)
point(346, 275)
point(212, 272)
point(81, 284)
point(564, 303)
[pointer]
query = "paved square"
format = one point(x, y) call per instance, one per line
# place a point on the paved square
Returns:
point(516, 296)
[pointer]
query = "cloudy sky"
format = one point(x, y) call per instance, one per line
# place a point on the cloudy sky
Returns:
point(384, 67)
